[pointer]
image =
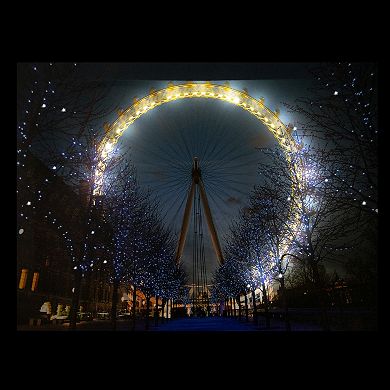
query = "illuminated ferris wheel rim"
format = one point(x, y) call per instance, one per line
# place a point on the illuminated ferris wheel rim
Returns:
point(207, 90)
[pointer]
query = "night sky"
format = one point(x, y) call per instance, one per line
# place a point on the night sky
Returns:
point(224, 137)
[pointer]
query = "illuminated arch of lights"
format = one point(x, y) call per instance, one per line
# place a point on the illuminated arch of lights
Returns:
point(155, 98)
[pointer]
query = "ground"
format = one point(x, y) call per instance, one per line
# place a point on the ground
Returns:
point(195, 324)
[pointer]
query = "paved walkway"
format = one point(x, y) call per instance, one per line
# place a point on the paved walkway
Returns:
point(223, 324)
point(205, 324)
point(193, 324)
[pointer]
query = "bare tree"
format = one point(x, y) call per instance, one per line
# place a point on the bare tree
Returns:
point(58, 112)
point(340, 114)
point(324, 223)
point(340, 117)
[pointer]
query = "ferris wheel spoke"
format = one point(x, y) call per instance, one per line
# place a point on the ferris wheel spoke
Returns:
point(228, 160)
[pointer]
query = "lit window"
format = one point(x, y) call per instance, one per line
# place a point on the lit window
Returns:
point(35, 281)
point(23, 278)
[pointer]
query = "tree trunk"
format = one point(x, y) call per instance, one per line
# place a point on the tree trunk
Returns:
point(134, 306)
point(75, 299)
point(254, 307)
point(246, 308)
point(162, 310)
point(266, 306)
point(167, 309)
point(285, 305)
point(239, 307)
point(147, 312)
point(156, 312)
point(114, 303)
point(320, 295)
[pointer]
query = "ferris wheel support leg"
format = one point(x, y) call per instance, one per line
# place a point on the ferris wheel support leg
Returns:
point(186, 220)
point(210, 223)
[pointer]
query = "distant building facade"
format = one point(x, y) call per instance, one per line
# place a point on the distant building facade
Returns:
point(44, 264)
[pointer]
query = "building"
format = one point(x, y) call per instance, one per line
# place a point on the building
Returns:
point(45, 277)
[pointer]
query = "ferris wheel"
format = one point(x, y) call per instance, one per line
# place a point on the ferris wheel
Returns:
point(198, 156)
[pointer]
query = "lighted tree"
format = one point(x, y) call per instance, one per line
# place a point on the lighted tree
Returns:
point(123, 203)
point(159, 253)
point(58, 110)
point(340, 115)
point(266, 222)
point(326, 225)
point(226, 283)
point(248, 249)
point(161, 275)
point(143, 248)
